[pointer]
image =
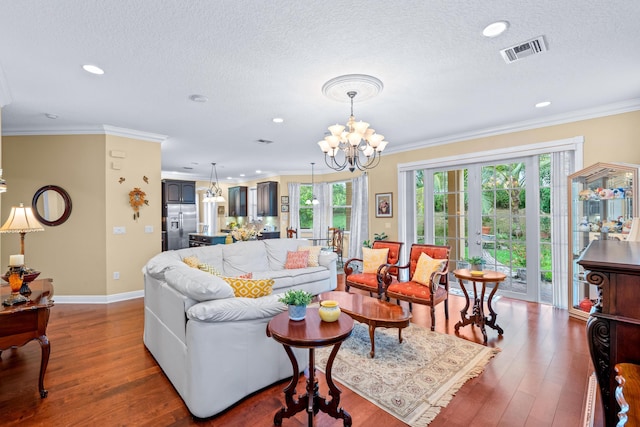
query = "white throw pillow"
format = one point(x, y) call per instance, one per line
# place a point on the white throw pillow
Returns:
point(197, 284)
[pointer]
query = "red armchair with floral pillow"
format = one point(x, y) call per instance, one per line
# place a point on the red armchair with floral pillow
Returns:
point(368, 279)
point(428, 279)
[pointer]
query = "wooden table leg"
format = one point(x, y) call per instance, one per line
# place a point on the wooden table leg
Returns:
point(492, 320)
point(46, 350)
point(331, 407)
point(464, 318)
point(292, 406)
point(372, 337)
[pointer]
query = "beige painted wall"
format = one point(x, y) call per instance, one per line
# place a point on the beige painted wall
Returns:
point(128, 253)
point(81, 254)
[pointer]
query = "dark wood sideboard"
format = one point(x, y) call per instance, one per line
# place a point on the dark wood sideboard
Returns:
point(613, 328)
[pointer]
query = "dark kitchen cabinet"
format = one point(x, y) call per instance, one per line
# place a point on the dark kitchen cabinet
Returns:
point(174, 191)
point(237, 201)
point(267, 194)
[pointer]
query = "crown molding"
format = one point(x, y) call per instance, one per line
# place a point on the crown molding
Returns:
point(5, 94)
point(92, 130)
point(134, 134)
point(558, 119)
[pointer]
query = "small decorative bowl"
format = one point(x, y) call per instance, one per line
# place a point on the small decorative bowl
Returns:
point(329, 311)
point(477, 273)
point(29, 277)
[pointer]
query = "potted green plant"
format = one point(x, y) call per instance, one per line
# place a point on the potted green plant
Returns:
point(297, 300)
point(476, 262)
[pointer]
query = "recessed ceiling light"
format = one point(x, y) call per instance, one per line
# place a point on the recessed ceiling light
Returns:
point(229, 177)
point(51, 116)
point(543, 104)
point(495, 29)
point(241, 174)
point(93, 69)
point(258, 171)
point(278, 120)
point(198, 98)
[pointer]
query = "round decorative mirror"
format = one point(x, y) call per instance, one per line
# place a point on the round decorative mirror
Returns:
point(51, 205)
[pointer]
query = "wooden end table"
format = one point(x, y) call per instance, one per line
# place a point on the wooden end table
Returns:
point(310, 333)
point(372, 311)
point(22, 323)
point(478, 317)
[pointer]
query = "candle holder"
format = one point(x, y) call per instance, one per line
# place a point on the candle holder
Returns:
point(15, 282)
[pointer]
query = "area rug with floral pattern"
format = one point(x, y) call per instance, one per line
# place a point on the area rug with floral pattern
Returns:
point(412, 380)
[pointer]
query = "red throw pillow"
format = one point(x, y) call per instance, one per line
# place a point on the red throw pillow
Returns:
point(296, 260)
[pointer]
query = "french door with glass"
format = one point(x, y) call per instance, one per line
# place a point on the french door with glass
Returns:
point(496, 211)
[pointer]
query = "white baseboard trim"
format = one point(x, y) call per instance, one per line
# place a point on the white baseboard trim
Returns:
point(97, 299)
point(590, 401)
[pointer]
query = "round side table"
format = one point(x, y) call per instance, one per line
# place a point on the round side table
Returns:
point(310, 333)
point(478, 317)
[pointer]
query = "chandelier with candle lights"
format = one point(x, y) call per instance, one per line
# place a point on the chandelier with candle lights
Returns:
point(356, 145)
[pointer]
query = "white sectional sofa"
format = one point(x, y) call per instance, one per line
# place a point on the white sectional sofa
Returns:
point(211, 345)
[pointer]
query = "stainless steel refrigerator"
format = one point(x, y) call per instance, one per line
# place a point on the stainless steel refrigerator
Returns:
point(179, 222)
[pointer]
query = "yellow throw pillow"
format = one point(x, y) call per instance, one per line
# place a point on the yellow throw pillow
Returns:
point(373, 258)
point(191, 261)
point(250, 288)
point(425, 268)
point(314, 253)
point(209, 269)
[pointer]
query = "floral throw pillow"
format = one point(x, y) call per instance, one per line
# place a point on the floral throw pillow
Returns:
point(425, 268)
point(373, 258)
point(250, 288)
point(296, 260)
point(314, 254)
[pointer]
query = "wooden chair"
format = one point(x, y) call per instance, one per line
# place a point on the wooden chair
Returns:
point(417, 293)
point(370, 281)
point(335, 238)
point(291, 232)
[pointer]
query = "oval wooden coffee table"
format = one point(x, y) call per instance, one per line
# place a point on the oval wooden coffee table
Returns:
point(310, 333)
point(372, 311)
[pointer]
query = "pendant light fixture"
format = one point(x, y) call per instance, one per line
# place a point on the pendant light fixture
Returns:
point(313, 201)
point(214, 193)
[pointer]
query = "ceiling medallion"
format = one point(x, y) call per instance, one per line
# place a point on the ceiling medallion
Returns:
point(366, 87)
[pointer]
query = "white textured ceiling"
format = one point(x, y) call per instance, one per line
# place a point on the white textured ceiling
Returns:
point(256, 60)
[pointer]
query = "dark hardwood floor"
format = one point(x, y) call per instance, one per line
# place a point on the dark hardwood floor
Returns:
point(100, 373)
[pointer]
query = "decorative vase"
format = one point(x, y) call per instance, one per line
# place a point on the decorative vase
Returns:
point(329, 311)
point(297, 312)
point(476, 267)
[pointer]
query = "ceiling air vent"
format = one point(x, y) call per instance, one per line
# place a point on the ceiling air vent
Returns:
point(522, 50)
point(264, 141)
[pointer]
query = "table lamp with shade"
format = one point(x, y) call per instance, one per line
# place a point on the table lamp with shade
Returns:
point(21, 220)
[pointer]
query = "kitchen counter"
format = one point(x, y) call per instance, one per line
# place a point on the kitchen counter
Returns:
point(206, 239)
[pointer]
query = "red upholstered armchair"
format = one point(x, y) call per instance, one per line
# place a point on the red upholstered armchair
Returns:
point(371, 281)
point(434, 293)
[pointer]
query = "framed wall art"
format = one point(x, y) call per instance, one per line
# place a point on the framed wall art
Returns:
point(284, 200)
point(284, 208)
point(384, 205)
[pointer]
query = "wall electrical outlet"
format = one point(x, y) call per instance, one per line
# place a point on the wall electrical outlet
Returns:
point(148, 228)
point(119, 230)
point(116, 275)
